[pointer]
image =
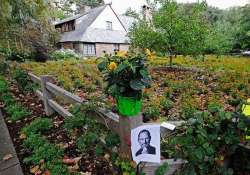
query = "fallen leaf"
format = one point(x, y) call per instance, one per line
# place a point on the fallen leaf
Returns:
point(34, 169)
point(47, 172)
point(86, 173)
point(23, 136)
point(68, 161)
point(73, 169)
point(7, 157)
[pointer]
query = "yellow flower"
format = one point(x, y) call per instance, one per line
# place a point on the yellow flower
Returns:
point(121, 53)
point(151, 55)
point(148, 52)
point(112, 66)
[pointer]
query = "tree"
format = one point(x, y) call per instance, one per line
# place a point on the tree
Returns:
point(143, 36)
point(175, 30)
point(25, 26)
point(132, 13)
point(91, 3)
point(244, 34)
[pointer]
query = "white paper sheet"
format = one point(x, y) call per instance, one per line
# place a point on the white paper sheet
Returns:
point(145, 144)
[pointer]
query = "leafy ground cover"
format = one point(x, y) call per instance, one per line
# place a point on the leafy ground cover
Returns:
point(77, 145)
point(175, 93)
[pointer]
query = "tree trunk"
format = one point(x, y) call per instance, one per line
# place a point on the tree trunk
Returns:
point(171, 61)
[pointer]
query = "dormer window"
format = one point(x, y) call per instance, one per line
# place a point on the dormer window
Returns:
point(66, 27)
point(109, 25)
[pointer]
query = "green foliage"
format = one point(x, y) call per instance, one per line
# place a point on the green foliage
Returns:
point(173, 30)
point(131, 13)
point(206, 141)
point(46, 152)
point(34, 141)
point(43, 150)
point(76, 121)
point(125, 167)
point(187, 111)
point(152, 112)
point(112, 139)
point(84, 142)
point(167, 104)
point(99, 150)
point(64, 54)
point(3, 67)
point(19, 56)
point(234, 101)
point(16, 112)
point(20, 34)
point(161, 170)
point(126, 74)
point(214, 107)
point(23, 80)
point(3, 86)
point(57, 167)
point(37, 126)
point(7, 98)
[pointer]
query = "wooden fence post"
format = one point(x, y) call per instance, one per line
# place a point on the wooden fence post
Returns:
point(46, 94)
point(126, 124)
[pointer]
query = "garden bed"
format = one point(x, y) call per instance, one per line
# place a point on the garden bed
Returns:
point(88, 161)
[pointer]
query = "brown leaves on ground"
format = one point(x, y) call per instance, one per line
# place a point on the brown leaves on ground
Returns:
point(7, 157)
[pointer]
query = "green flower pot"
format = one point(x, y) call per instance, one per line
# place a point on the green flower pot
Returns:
point(129, 106)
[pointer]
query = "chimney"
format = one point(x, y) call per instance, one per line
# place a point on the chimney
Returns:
point(84, 9)
point(147, 14)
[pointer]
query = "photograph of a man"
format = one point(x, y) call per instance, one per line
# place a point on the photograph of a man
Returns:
point(144, 138)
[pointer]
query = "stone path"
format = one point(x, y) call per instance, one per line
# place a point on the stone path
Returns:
point(9, 163)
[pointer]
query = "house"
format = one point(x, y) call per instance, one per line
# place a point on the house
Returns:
point(95, 31)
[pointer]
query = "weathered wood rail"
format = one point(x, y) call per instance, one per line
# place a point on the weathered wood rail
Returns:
point(119, 124)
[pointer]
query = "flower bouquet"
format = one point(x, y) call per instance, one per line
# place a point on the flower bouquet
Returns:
point(126, 76)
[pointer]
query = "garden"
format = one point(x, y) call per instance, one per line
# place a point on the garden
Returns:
point(208, 98)
point(68, 113)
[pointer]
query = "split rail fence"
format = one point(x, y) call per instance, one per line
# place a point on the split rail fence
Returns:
point(119, 124)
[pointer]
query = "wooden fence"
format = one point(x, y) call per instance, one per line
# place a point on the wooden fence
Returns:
point(119, 124)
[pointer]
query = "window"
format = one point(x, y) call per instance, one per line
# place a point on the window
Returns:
point(89, 49)
point(116, 47)
point(109, 25)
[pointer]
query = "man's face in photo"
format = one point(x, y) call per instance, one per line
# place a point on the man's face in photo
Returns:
point(144, 139)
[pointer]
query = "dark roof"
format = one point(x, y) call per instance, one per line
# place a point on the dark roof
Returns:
point(92, 14)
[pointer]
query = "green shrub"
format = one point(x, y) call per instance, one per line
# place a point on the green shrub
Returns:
point(214, 107)
point(167, 104)
point(16, 112)
point(63, 54)
point(241, 86)
point(46, 152)
point(84, 142)
point(76, 121)
point(187, 111)
point(19, 56)
point(152, 112)
point(57, 167)
point(38, 125)
point(7, 98)
point(23, 80)
point(112, 139)
point(43, 150)
point(205, 141)
point(34, 141)
point(234, 101)
point(3, 67)
point(3, 86)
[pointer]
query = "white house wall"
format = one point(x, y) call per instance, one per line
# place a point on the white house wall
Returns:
point(107, 15)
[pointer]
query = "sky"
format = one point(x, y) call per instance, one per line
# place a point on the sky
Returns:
point(120, 6)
